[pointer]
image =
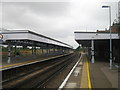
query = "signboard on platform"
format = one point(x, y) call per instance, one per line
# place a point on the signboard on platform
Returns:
point(1, 36)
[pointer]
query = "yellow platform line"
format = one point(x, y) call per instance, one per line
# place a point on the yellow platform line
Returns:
point(16, 64)
point(88, 74)
point(85, 78)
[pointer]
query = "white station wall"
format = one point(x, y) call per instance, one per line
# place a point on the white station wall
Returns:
point(94, 36)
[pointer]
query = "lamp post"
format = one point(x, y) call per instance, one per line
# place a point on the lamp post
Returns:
point(110, 35)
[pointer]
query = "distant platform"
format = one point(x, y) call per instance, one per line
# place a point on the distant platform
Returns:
point(22, 62)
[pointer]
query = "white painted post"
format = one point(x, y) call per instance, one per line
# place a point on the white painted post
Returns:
point(92, 44)
point(9, 54)
point(15, 50)
point(110, 40)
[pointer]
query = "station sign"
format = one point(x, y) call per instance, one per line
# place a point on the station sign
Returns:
point(1, 36)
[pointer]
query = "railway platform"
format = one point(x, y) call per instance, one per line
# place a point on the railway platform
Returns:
point(83, 74)
point(102, 76)
point(19, 61)
point(91, 75)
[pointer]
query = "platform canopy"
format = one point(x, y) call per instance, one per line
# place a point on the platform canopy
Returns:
point(27, 35)
point(85, 38)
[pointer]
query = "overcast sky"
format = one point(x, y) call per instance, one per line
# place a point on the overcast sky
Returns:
point(57, 19)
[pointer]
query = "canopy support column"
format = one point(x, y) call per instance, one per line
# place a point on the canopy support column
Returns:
point(9, 53)
point(92, 44)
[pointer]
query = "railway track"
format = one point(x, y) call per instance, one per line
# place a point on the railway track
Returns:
point(34, 75)
point(14, 72)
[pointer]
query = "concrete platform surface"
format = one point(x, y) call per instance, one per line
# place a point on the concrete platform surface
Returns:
point(78, 76)
point(87, 75)
point(102, 76)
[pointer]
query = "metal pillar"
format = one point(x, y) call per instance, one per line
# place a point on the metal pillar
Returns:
point(54, 52)
point(110, 34)
point(63, 50)
point(32, 50)
point(92, 53)
point(110, 53)
point(110, 39)
point(60, 50)
point(54, 49)
point(42, 50)
point(15, 49)
point(9, 53)
point(47, 51)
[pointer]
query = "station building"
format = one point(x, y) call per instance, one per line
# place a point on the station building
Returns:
point(97, 44)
